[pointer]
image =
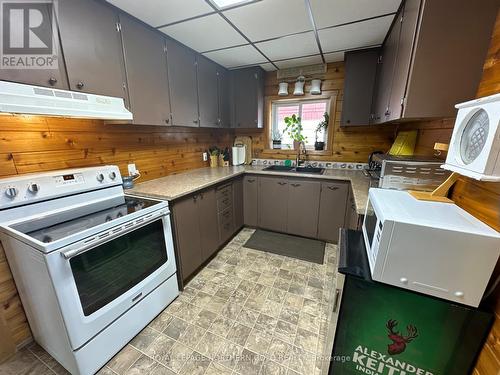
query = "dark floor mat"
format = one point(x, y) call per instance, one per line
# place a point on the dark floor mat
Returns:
point(287, 245)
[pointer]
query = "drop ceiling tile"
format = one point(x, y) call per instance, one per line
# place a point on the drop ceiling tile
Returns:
point(205, 33)
point(162, 12)
point(268, 67)
point(290, 46)
point(237, 56)
point(270, 18)
point(336, 12)
point(302, 61)
point(334, 57)
point(361, 34)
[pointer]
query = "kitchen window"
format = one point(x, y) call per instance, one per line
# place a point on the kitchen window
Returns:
point(311, 113)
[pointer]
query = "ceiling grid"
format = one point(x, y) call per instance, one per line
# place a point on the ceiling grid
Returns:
point(274, 34)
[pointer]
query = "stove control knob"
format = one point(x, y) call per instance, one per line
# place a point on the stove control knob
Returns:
point(11, 192)
point(34, 188)
point(112, 175)
point(100, 177)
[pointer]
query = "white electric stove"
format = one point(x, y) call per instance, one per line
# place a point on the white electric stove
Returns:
point(92, 265)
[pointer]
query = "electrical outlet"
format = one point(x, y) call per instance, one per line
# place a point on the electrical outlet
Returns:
point(205, 156)
point(132, 170)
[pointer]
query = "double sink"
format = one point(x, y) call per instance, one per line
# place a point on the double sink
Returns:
point(283, 168)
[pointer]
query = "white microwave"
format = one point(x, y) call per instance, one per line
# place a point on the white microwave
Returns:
point(428, 247)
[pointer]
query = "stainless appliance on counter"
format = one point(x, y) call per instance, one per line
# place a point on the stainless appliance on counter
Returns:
point(93, 266)
point(407, 172)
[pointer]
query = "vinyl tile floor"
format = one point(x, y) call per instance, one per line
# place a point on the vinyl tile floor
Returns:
point(247, 312)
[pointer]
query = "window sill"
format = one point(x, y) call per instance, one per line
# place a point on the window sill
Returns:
point(273, 151)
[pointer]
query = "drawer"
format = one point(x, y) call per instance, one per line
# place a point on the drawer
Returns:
point(224, 191)
point(226, 216)
point(224, 203)
point(226, 229)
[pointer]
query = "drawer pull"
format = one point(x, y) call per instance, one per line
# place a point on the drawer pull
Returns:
point(281, 183)
point(333, 187)
point(251, 180)
point(295, 185)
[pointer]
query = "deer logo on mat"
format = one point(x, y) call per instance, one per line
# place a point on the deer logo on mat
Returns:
point(399, 341)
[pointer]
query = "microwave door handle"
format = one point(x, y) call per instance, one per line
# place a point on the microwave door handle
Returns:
point(113, 234)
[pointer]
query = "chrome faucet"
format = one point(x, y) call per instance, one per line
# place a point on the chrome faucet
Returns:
point(301, 154)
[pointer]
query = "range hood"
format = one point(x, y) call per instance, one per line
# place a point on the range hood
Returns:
point(34, 100)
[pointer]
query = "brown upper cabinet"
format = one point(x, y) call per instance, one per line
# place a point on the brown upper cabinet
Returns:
point(432, 58)
point(224, 89)
point(146, 66)
point(183, 84)
point(360, 73)
point(92, 48)
point(248, 97)
point(55, 78)
point(208, 98)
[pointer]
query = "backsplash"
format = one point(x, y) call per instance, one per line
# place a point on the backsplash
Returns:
point(319, 164)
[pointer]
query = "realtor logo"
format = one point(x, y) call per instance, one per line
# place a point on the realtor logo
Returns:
point(29, 34)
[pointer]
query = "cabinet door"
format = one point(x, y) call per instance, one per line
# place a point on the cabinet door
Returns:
point(385, 75)
point(403, 60)
point(250, 200)
point(238, 203)
point(55, 78)
point(209, 230)
point(247, 89)
point(360, 72)
point(332, 210)
point(183, 86)
point(146, 66)
point(208, 95)
point(303, 207)
point(188, 240)
point(92, 47)
point(224, 85)
point(273, 203)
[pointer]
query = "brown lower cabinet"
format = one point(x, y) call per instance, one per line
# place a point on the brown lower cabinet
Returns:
point(273, 203)
point(332, 210)
point(238, 203)
point(203, 222)
point(206, 220)
point(303, 206)
point(250, 201)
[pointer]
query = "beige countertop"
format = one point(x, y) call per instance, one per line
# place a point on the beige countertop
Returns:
point(178, 185)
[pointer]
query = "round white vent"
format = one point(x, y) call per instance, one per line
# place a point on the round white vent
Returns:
point(474, 136)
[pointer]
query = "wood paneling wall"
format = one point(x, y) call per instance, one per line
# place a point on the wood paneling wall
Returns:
point(344, 143)
point(482, 200)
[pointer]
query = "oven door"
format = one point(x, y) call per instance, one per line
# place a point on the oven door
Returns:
point(96, 283)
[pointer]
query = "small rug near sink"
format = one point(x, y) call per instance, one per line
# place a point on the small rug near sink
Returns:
point(287, 245)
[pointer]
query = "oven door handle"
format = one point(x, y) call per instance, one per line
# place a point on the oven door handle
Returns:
point(114, 233)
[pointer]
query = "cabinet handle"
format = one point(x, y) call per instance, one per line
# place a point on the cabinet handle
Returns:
point(167, 121)
point(80, 85)
point(251, 180)
point(333, 187)
point(195, 197)
point(387, 112)
point(195, 121)
point(201, 195)
point(52, 81)
point(295, 185)
point(281, 183)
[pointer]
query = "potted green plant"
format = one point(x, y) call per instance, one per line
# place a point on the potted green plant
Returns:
point(214, 156)
point(277, 135)
point(294, 130)
point(322, 126)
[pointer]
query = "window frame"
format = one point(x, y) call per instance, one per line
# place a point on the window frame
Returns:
point(299, 102)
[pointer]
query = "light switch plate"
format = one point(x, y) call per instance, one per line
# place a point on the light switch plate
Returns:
point(205, 156)
point(132, 170)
